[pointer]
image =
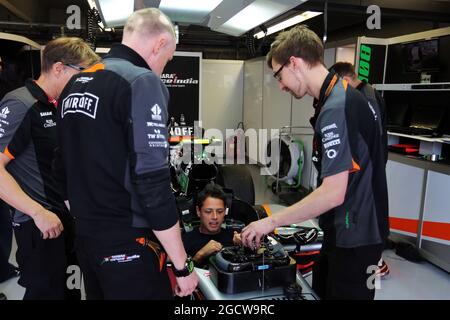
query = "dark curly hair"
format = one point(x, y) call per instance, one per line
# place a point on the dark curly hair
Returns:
point(210, 190)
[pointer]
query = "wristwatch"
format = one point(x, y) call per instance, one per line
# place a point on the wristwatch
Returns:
point(187, 270)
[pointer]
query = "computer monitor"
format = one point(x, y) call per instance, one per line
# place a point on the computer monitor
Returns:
point(427, 117)
point(421, 56)
point(397, 115)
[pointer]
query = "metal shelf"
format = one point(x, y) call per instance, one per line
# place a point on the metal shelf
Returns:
point(441, 86)
point(443, 139)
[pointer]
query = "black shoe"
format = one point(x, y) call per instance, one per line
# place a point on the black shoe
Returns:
point(15, 273)
point(3, 297)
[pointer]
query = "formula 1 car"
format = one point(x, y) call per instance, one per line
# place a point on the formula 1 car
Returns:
point(192, 168)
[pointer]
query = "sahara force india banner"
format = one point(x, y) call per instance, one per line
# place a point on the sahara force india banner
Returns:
point(182, 77)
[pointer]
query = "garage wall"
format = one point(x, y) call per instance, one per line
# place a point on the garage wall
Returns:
point(302, 111)
point(222, 93)
point(276, 103)
point(253, 97)
point(329, 57)
point(267, 107)
point(346, 54)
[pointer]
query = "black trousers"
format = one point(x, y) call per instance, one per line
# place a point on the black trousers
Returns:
point(43, 263)
point(346, 274)
point(121, 270)
point(6, 269)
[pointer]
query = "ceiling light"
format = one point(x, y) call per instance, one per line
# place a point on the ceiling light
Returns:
point(289, 22)
point(92, 4)
point(192, 5)
point(115, 12)
point(192, 11)
point(241, 16)
point(250, 17)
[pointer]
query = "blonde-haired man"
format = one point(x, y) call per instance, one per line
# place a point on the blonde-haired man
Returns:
point(125, 212)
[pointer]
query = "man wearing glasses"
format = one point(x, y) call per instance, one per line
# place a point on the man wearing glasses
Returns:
point(27, 143)
point(351, 200)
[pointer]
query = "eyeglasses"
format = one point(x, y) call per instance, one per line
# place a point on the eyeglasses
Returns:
point(277, 74)
point(74, 66)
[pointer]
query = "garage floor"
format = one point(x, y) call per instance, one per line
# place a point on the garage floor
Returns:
point(406, 281)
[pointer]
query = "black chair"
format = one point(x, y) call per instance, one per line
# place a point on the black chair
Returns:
point(242, 211)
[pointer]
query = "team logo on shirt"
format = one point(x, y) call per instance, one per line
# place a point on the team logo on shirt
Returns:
point(155, 124)
point(327, 136)
point(373, 111)
point(4, 113)
point(331, 154)
point(332, 143)
point(84, 79)
point(120, 258)
point(329, 127)
point(156, 135)
point(158, 144)
point(156, 112)
point(84, 103)
point(49, 123)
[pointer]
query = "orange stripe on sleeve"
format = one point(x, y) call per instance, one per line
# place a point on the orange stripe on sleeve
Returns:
point(95, 67)
point(267, 208)
point(8, 154)
point(345, 84)
point(356, 167)
point(331, 85)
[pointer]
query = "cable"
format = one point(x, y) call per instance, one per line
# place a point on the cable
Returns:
point(263, 29)
point(325, 22)
point(93, 18)
point(250, 42)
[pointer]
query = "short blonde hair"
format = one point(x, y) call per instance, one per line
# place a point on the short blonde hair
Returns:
point(148, 22)
point(67, 50)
